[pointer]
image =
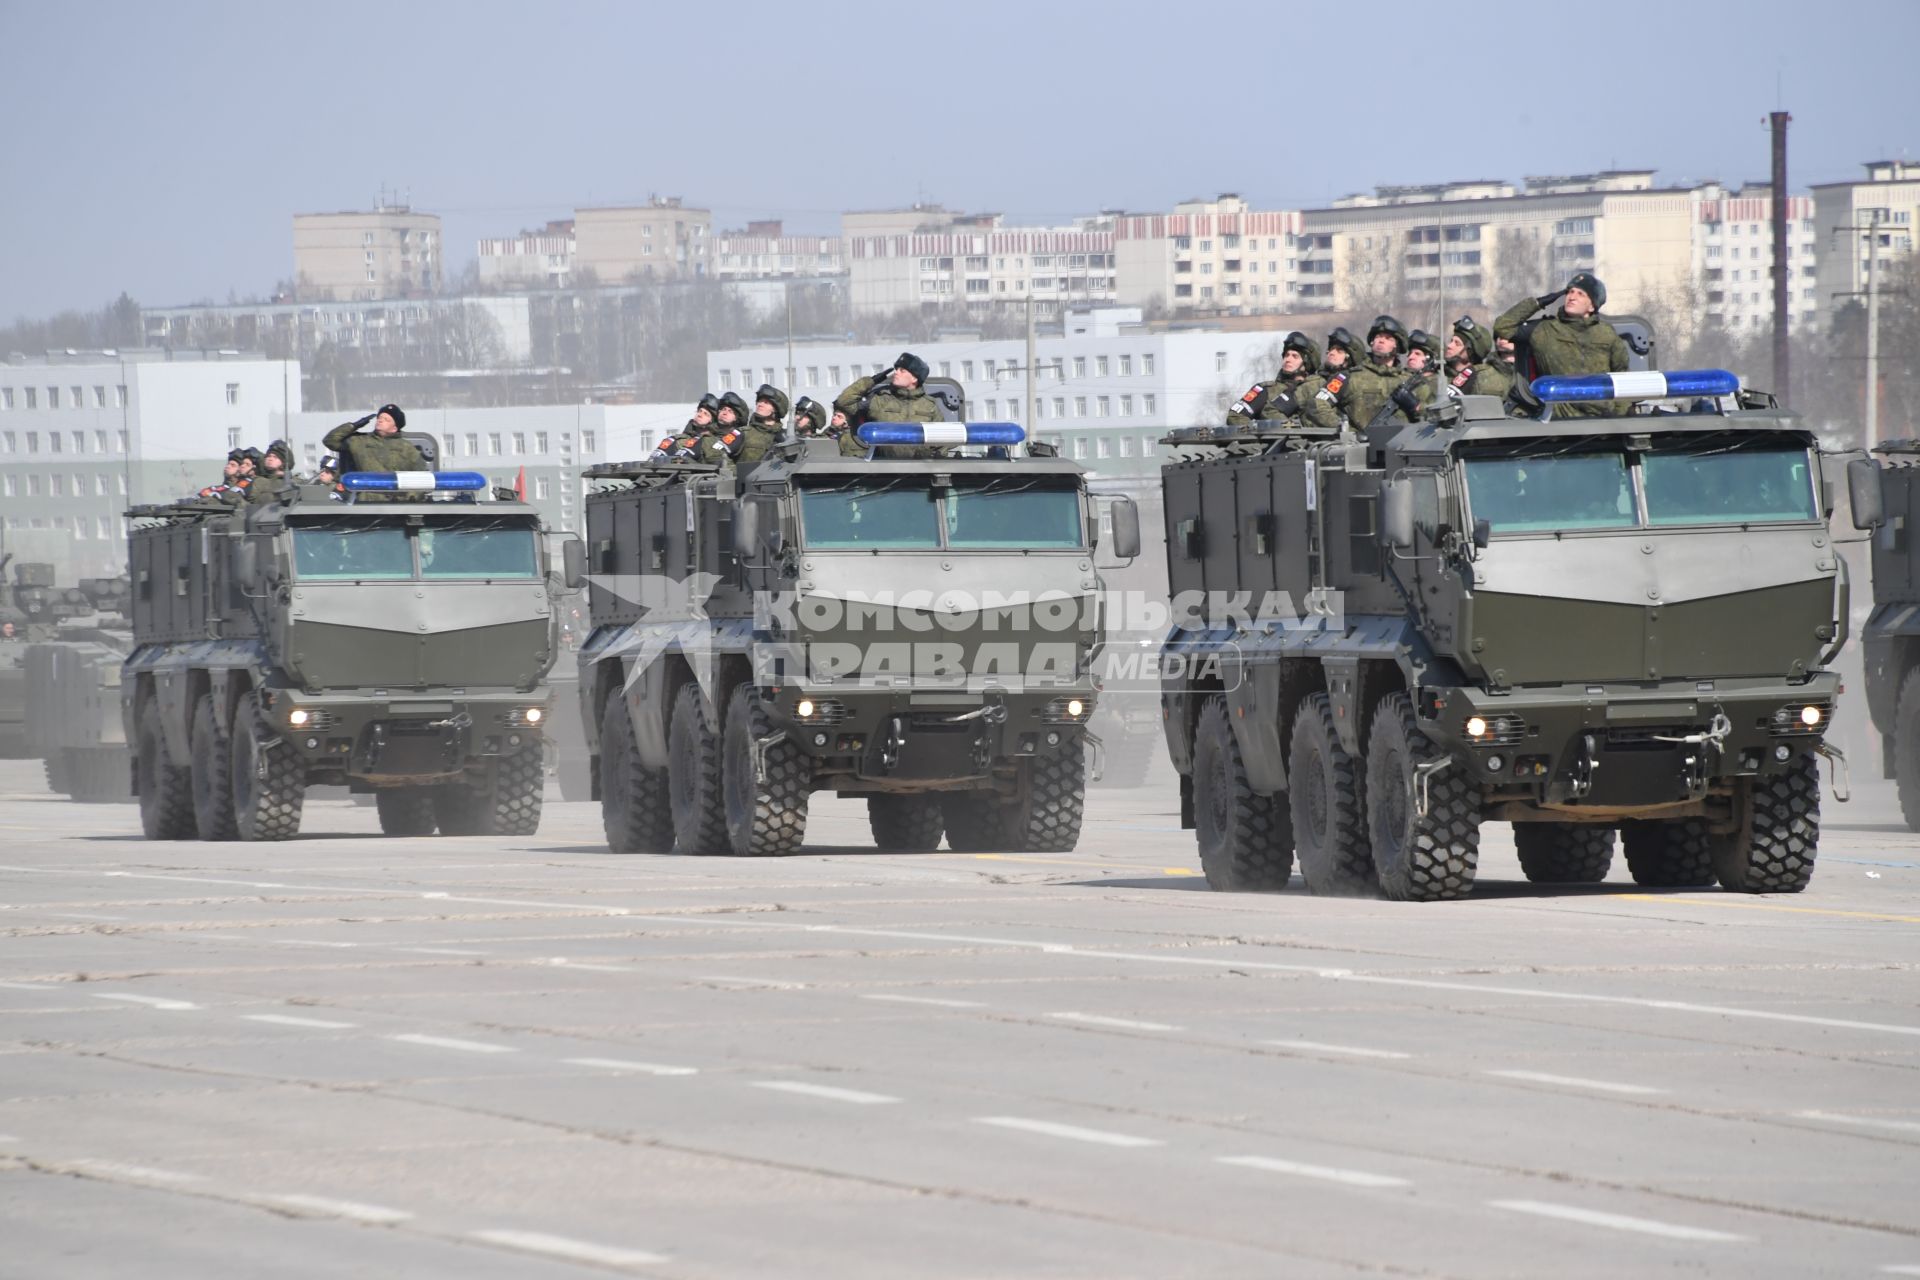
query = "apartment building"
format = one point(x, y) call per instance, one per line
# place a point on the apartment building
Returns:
point(1216, 256)
point(84, 434)
point(981, 263)
point(762, 251)
point(1733, 258)
point(1862, 226)
point(389, 252)
point(542, 259)
point(662, 239)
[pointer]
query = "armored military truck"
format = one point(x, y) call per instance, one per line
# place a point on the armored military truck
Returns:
point(918, 630)
point(1886, 498)
point(393, 637)
point(1580, 626)
point(76, 639)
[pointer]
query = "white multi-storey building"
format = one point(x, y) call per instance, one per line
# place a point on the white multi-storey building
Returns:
point(1888, 201)
point(387, 252)
point(1208, 255)
point(1733, 258)
point(983, 264)
point(533, 259)
point(85, 434)
point(1105, 389)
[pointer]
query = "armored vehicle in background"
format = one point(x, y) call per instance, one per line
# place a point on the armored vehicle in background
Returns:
point(396, 641)
point(1886, 498)
point(916, 630)
point(1579, 626)
point(69, 669)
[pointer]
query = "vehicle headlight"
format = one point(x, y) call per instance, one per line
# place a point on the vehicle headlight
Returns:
point(1810, 716)
point(535, 715)
point(1476, 727)
point(803, 708)
point(298, 716)
point(1075, 707)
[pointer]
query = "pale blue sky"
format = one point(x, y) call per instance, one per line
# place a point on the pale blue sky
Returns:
point(162, 148)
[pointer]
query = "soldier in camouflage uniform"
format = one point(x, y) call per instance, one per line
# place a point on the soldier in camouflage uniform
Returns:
point(1372, 383)
point(809, 418)
point(900, 397)
point(276, 474)
point(384, 450)
point(1573, 341)
point(840, 429)
point(1292, 398)
point(1417, 390)
point(1470, 364)
point(729, 425)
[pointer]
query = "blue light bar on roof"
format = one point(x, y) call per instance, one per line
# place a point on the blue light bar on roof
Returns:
point(1642, 384)
point(874, 433)
point(413, 482)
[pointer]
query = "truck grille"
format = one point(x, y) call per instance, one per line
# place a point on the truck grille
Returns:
point(319, 721)
point(1056, 711)
point(1786, 722)
point(1503, 731)
point(826, 711)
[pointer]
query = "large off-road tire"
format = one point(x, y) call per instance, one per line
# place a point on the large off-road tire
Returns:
point(1668, 853)
point(906, 824)
point(633, 798)
point(1906, 748)
point(1774, 848)
point(1246, 839)
point(518, 793)
point(974, 821)
point(460, 810)
point(406, 811)
point(765, 819)
point(166, 790)
point(1049, 801)
point(269, 787)
point(1327, 797)
point(212, 785)
point(693, 776)
point(1418, 859)
point(1563, 852)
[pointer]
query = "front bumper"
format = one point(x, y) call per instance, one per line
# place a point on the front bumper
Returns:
point(919, 735)
point(384, 738)
point(1628, 747)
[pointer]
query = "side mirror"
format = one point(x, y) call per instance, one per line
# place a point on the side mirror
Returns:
point(1126, 528)
point(573, 560)
point(772, 532)
point(1863, 490)
point(1396, 514)
point(1482, 533)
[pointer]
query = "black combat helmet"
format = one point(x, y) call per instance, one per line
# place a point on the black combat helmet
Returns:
point(1421, 340)
point(807, 410)
point(710, 402)
point(1343, 338)
point(773, 396)
point(1388, 325)
point(1308, 349)
point(1478, 337)
point(742, 411)
point(914, 365)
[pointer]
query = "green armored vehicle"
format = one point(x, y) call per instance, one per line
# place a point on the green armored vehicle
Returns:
point(393, 637)
point(1886, 498)
point(76, 639)
point(916, 630)
point(1580, 626)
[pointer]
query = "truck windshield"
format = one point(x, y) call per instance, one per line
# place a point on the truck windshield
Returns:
point(1565, 491)
point(351, 551)
point(1013, 513)
point(867, 516)
point(1737, 486)
point(477, 551)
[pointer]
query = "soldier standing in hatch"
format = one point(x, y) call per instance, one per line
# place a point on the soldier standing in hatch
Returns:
point(384, 450)
point(229, 476)
point(764, 429)
point(729, 425)
point(276, 474)
point(809, 418)
point(1573, 341)
point(900, 397)
point(1371, 384)
point(840, 429)
point(1417, 390)
point(1293, 397)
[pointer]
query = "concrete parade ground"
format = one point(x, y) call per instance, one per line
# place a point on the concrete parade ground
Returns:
point(347, 1055)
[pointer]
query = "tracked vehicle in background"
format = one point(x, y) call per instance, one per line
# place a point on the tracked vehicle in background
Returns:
point(68, 672)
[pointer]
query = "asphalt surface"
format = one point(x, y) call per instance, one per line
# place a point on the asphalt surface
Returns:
point(353, 1056)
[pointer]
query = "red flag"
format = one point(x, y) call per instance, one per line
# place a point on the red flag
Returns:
point(520, 485)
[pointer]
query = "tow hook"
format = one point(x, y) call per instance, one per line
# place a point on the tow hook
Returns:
point(1581, 781)
point(760, 748)
point(1421, 773)
point(1100, 756)
point(1838, 779)
point(890, 748)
